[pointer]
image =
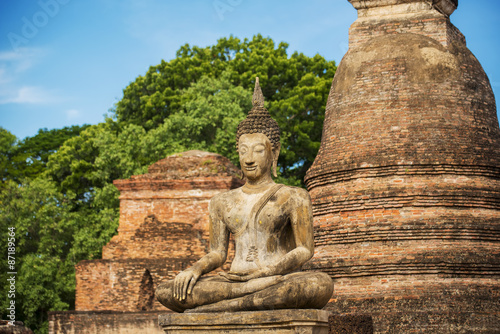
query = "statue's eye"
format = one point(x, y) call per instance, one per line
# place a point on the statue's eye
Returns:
point(259, 149)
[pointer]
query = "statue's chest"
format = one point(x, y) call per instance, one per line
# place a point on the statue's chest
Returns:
point(245, 216)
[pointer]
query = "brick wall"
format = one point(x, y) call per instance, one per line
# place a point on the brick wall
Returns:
point(406, 184)
point(117, 285)
point(163, 229)
point(380, 18)
point(104, 322)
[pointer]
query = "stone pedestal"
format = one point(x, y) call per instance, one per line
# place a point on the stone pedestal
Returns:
point(276, 322)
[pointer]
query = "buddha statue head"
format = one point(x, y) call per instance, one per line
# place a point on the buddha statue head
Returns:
point(259, 121)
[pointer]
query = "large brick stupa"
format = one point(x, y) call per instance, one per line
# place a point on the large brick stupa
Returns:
point(406, 184)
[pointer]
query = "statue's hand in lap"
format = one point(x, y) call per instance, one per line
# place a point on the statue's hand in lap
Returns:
point(273, 234)
point(184, 283)
point(246, 275)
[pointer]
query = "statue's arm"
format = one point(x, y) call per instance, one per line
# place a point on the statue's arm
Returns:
point(302, 228)
point(302, 225)
point(219, 242)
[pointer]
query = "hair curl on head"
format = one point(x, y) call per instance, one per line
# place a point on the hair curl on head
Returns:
point(259, 120)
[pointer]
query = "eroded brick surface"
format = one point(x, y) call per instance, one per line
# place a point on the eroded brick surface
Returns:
point(405, 190)
point(163, 229)
point(406, 184)
point(104, 322)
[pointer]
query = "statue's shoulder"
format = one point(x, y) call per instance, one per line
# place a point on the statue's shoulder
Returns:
point(224, 198)
point(227, 194)
point(295, 192)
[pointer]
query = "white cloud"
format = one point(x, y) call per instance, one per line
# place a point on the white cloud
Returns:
point(72, 114)
point(14, 74)
point(9, 55)
point(21, 60)
point(3, 76)
point(28, 94)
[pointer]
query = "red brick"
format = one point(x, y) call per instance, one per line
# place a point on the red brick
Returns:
point(163, 229)
point(406, 184)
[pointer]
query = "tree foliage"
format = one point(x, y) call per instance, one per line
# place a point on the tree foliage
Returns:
point(44, 229)
point(27, 158)
point(7, 147)
point(57, 187)
point(296, 89)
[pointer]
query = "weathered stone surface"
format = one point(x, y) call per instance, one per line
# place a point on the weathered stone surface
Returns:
point(17, 328)
point(350, 324)
point(273, 233)
point(158, 208)
point(276, 322)
point(387, 17)
point(406, 184)
point(104, 322)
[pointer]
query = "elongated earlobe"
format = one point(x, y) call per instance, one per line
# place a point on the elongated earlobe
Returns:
point(276, 153)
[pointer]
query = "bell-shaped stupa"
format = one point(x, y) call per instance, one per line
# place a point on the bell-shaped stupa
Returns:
point(406, 184)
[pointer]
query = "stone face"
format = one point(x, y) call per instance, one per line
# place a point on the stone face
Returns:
point(406, 184)
point(277, 322)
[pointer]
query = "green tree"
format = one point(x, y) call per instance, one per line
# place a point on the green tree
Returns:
point(44, 227)
point(85, 166)
point(296, 89)
point(194, 101)
point(73, 165)
point(51, 238)
point(53, 233)
point(210, 111)
point(28, 158)
point(8, 144)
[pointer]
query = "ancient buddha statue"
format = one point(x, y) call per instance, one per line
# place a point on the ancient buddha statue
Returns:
point(272, 228)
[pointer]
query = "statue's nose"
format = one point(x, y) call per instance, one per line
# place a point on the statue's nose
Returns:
point(249, 158)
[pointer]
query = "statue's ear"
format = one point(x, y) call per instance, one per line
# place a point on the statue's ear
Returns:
point(276, 153)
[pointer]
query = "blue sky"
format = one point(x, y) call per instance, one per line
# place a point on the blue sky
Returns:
point(66, 62)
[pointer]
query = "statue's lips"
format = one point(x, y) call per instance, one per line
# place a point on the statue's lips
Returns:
point(251, 168)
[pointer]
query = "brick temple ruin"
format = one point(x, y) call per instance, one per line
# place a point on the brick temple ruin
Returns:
point(163, 230)
point(405, 189)
point(406, 184)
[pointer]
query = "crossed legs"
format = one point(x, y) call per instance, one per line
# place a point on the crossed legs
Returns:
point(217, 294)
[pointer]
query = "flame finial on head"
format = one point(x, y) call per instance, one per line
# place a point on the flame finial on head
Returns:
point(258, 97)
point(258, 120)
